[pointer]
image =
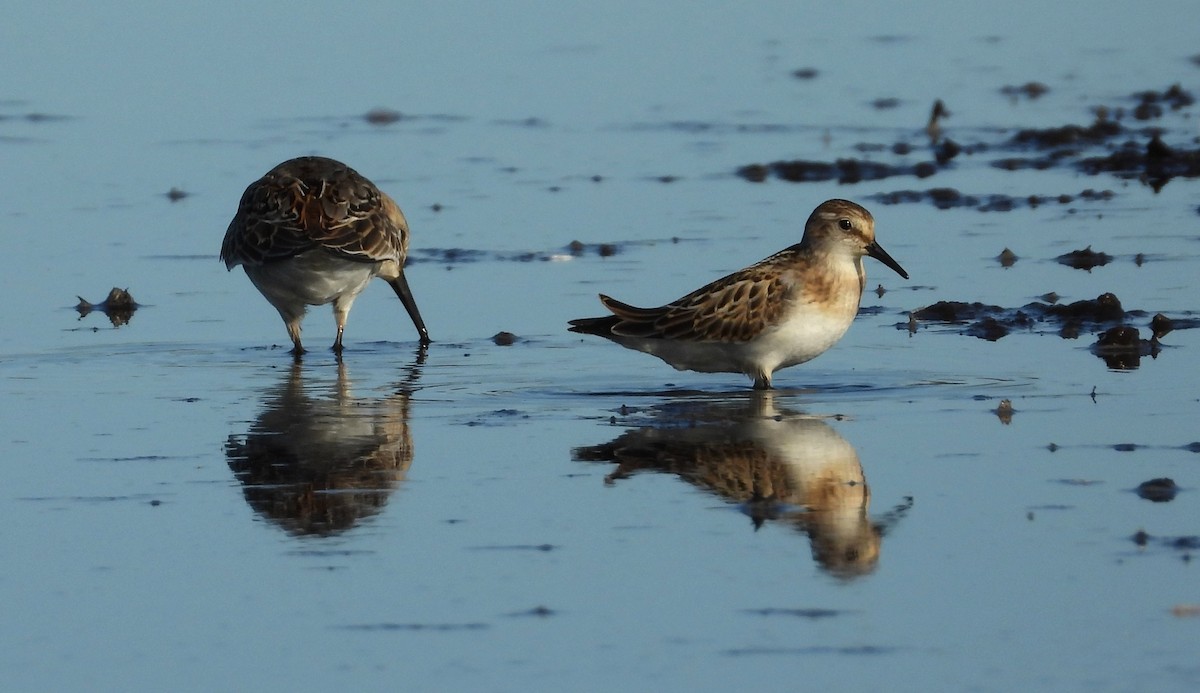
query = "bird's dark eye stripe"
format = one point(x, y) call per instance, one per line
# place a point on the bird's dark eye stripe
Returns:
point(845, 224)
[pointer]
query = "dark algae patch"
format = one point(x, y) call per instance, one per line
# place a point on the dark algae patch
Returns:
point(1120, 140)
point(1118, 342)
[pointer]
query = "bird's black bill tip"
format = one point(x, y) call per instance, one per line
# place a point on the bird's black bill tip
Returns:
point(876, 251)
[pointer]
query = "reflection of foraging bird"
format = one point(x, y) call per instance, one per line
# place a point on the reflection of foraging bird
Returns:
point(318, 460)
point(313, 231)
point(782, 311)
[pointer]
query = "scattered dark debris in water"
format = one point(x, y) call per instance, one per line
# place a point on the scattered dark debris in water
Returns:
point(1079, 482)
point(382, 116)
point(499, 417)
point(838, 650)
point(1005, 411)
point(946, 151)
point(1030, 90)
point(119, 307)
point(1122, 347)
point(988, 328)
point(1106, 145)
point(578, 248)
point(176, 194)
point(440, 627)
point(1185, 610)
point(531, 122)
point(949, 198)
point(1154, 163)
point(811, 614)
point(36, 117)
point(1084, 259)
point(516, 547)
point(805, 73)
point(844, 171)
point(1125, 447)
point(1175, 97)
point(504, 338)
point(539, 611)
point(1160, 490)
point(1007, 258)
point(1119, 343)
point(1182, 543)
point(436, 207)
point(1101, 130)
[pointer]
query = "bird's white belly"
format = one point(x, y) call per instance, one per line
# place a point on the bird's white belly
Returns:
point(805, 336)
point(313, 278)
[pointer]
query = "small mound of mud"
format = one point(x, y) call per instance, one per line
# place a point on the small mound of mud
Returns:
point(1160, 490)
point(503, 338)
point(1122, 347)
point(382, 116)
point(1084, 259)
point(119, 307)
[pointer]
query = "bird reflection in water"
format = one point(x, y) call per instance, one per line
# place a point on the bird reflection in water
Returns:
point(317, 463)
point(778, 466)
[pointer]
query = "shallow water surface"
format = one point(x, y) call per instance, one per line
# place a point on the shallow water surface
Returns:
point(917, 509)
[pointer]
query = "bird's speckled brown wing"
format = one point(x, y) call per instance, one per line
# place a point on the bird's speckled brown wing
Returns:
point(735, 308)
point(314, 202)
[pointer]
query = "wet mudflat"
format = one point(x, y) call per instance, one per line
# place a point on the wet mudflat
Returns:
point(973, 490)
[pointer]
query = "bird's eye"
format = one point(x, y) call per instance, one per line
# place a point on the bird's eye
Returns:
point(845, 224)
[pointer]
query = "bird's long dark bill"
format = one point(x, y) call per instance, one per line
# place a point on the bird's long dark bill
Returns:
point(875, 251)
point(400, 286)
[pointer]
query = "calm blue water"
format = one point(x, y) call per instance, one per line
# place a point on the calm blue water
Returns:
point(456, 536)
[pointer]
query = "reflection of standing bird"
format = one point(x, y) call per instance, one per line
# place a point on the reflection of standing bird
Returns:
point(781, 466)
point(782, 311)
point(317, 465)
point(313, 231)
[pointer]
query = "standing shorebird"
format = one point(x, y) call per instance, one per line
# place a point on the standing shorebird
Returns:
point(313, 231)
point(782, 311)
